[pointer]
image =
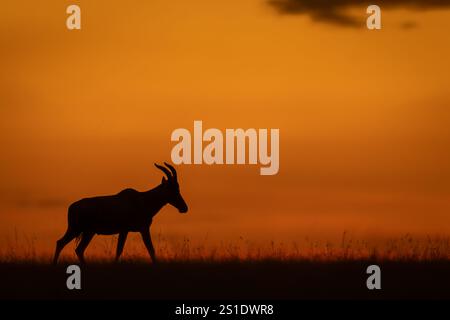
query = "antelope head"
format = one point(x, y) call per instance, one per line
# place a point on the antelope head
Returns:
point(172, 188)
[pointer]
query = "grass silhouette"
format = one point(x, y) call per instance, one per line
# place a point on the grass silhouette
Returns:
point(404, 248)
point(411, 268)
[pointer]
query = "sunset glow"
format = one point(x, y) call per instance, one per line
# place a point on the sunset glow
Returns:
point(363, 116)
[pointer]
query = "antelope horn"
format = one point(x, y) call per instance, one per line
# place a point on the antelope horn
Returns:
point(167, 172)
point(172, 169)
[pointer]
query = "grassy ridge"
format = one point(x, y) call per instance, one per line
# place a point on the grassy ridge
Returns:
point(404, 248)
point(411, 268)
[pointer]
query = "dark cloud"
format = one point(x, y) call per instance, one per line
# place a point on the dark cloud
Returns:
point(337, 11)
point(21, 199)
point(408, 25)
point(40, 203)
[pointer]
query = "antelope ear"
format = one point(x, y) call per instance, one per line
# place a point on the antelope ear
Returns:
point(164, 180)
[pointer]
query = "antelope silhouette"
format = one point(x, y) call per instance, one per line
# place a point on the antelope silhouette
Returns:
point(127, 211)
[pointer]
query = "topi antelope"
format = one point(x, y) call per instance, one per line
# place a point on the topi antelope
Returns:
point(127, 211)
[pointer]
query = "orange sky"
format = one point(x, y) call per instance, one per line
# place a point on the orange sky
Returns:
point(363, 116)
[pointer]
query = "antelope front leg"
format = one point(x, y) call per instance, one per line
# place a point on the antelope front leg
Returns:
point(120, 244)
point(148, 243)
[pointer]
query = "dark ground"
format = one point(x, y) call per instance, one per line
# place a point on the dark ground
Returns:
point(229, 280)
